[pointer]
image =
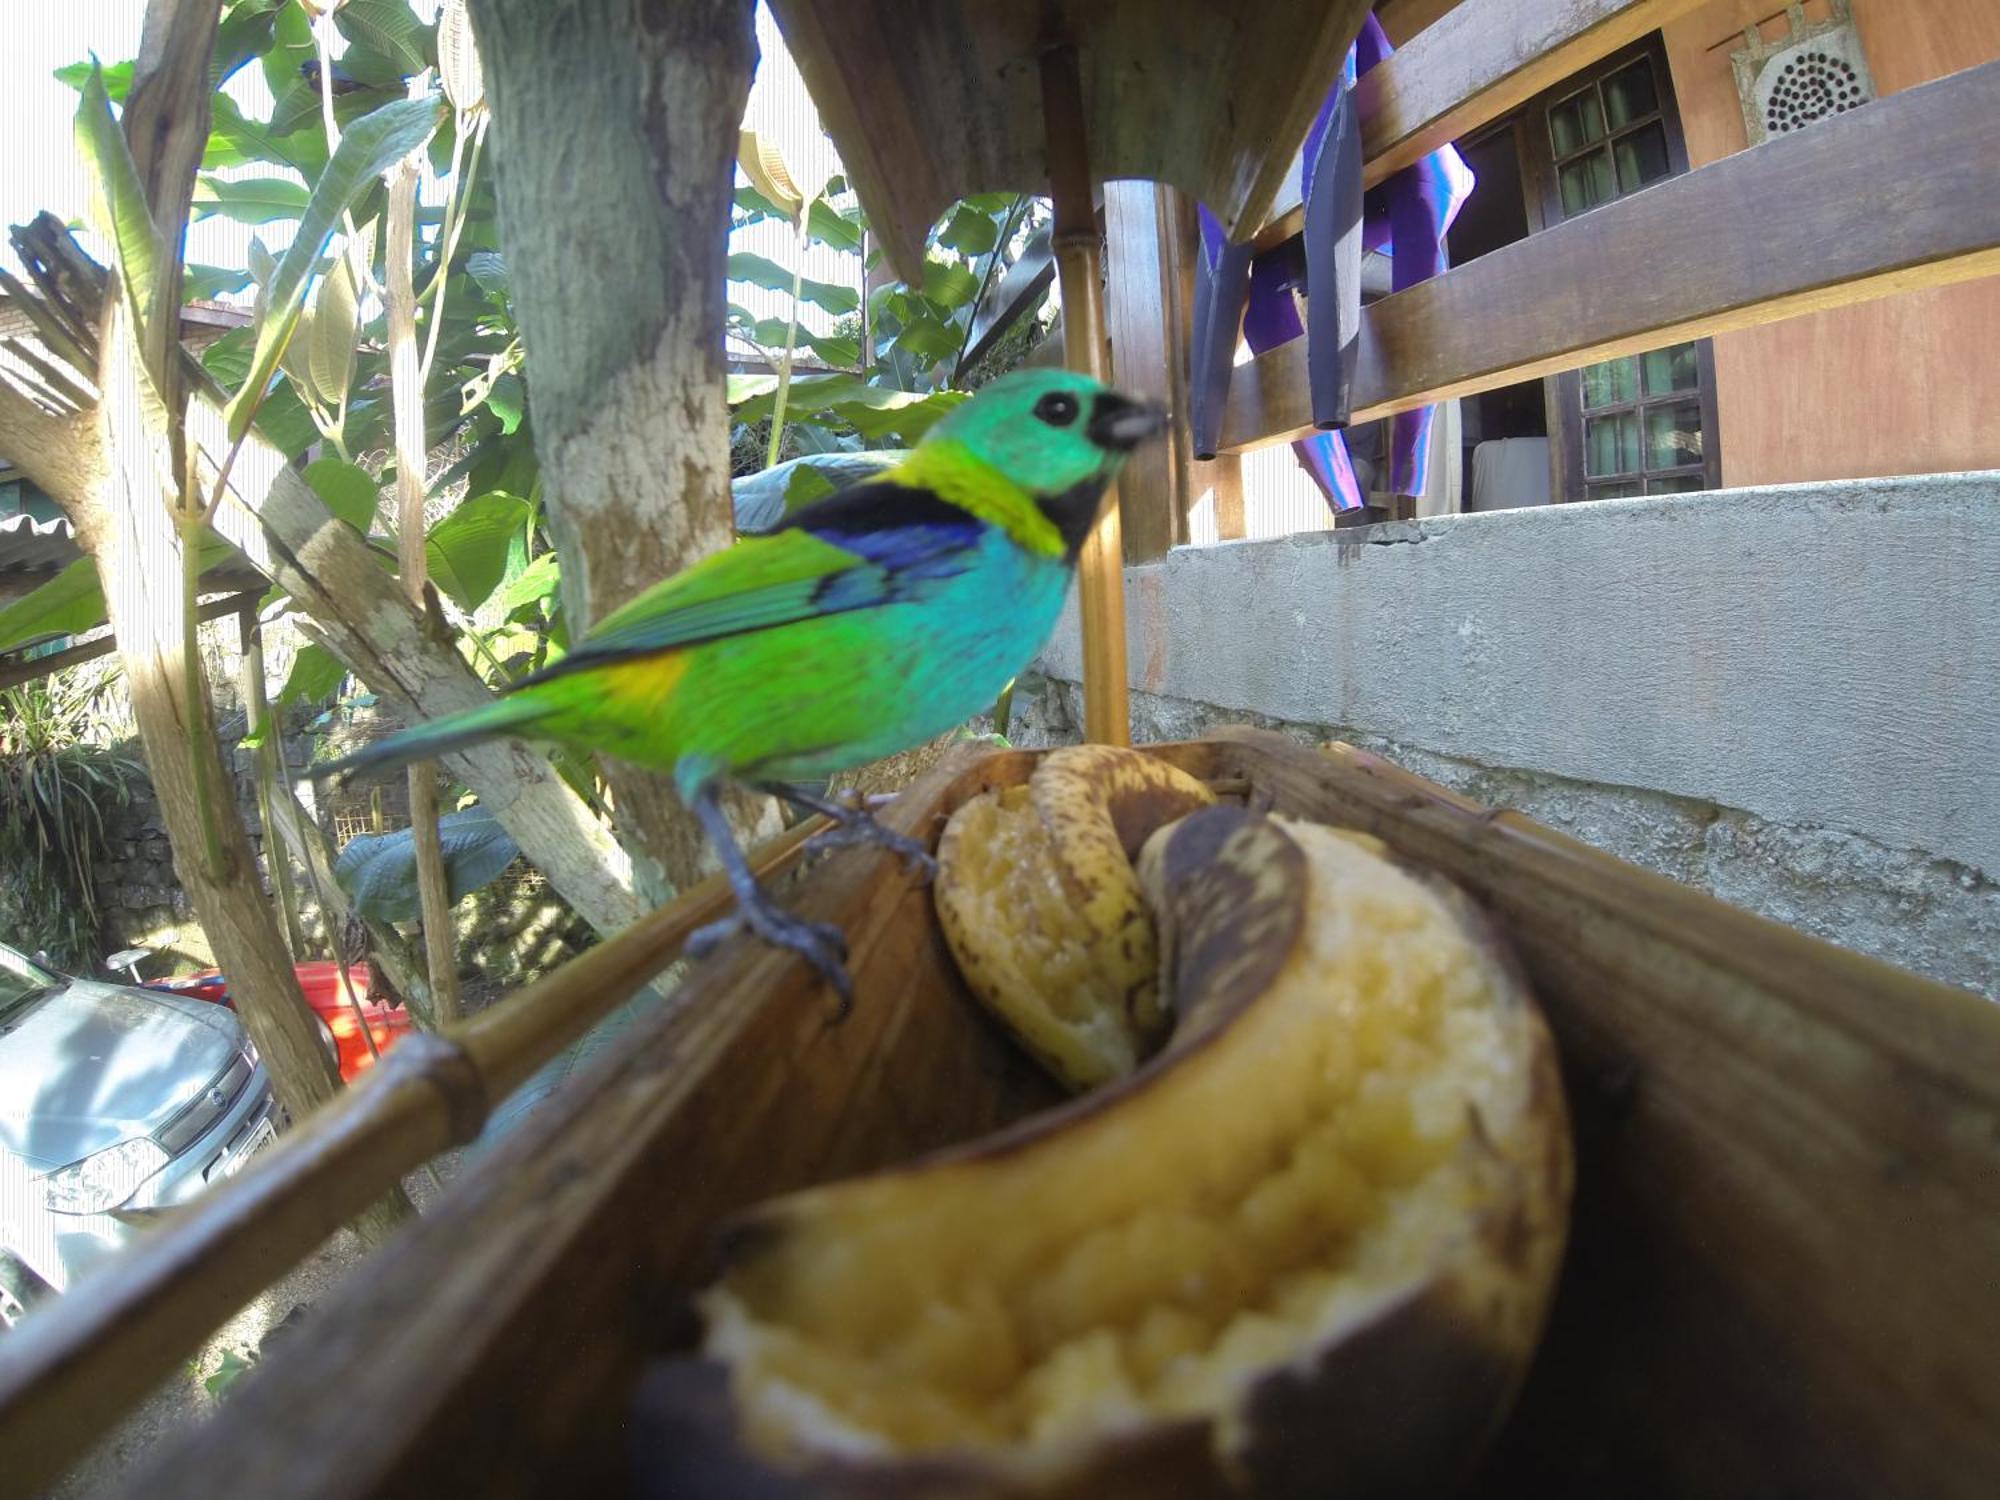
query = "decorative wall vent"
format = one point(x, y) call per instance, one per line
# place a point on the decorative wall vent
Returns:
point(1815, 70)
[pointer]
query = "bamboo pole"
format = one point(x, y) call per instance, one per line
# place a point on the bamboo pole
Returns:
point(407, 399)
point(1107, 717)
point(266, 758)
point(73, 1369)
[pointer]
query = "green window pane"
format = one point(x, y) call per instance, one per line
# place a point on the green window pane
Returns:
point(1613, 383)
point(1670, 370)
point(1642, 157)
point(1676, 484)
point(1617, 490)
point(1576, 122)
point(1673, 435)
point(1630, 95)
point(1586, 182)
point(1611, 444)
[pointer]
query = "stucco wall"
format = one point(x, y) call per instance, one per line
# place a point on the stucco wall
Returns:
point(1790, 696)
point(1904, 385)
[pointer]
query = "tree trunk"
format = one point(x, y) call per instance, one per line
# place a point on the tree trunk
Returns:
point(285, 529)
point(407, 398)
point(615, 222)
point(126, 521)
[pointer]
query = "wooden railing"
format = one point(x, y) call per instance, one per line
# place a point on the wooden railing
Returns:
point(1901, 195)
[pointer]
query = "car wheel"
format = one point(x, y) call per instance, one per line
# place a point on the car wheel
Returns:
point(326, 1040)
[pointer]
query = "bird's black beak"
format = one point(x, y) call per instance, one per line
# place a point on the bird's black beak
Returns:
point(1120, 423)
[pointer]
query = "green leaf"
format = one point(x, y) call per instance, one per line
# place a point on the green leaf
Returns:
point(833, 349)
point(120, 202)
point(948, 284)
point(244, 32)
point(807, 485)
point(374, 144)
point(538, 581)
point(929, 340)
point(249, 200)
point(379, 870)
point(296, 107)
point(204, 283)
point(346, 489)
point(755, 205)
point(760, 270)
point(388, 27)
point(232, 1369)
point(117, 77)
point(466, 552)
point(871, 410)
point(330, 332)
point(68, 604)
point(507, 400)
point(969, 231)
point(830, 227)
point(458, 58)
point(316, 676)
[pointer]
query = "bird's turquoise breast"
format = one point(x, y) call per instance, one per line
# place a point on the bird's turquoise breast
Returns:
point(825, 695)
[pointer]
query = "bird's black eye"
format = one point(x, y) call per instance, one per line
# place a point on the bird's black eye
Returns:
point(1057, 408)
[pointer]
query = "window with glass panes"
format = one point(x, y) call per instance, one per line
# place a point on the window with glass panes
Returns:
point(1636, 424)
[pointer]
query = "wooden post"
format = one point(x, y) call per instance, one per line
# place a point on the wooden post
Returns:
point(1107, 717)
point(267, 758)
point(1150, 247)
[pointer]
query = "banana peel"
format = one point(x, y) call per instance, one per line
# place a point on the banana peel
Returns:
point(1306, 1250)
point(1038, 899)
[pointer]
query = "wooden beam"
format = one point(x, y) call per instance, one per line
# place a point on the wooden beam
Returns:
point(1901, 195)
point(1477, 62)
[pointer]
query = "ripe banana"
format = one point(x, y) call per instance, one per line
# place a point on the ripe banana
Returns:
point(1038, 900)
point(1305, 1250)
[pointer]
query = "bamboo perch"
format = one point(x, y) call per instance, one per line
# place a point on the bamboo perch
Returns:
point(1107, 717)
point(70, 1372)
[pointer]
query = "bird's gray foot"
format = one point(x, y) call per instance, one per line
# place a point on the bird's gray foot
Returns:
point(818, 943)
point(854, 825)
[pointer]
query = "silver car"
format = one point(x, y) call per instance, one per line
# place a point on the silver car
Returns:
point(116, 1104)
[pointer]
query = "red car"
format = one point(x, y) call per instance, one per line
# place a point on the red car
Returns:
point(320, 979)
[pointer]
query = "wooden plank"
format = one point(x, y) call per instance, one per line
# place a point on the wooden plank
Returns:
point(1149, 250)
point(1477, 62)
point(1900, 195)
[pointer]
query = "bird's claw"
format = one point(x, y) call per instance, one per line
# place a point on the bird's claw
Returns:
point(820, 944)
point(862, 829)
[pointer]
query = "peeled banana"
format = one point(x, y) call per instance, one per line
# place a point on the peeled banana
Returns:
point(1305, 1250)
point(1039, 902)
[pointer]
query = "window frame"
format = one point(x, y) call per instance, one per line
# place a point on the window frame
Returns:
point(1535, 142)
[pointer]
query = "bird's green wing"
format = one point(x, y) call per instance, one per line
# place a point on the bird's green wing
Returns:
point(869, 545)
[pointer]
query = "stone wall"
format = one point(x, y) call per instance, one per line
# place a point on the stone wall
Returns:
point(1785, 696)
point(508, 933)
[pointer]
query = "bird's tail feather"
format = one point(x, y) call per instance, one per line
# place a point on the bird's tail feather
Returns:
point(439, 737)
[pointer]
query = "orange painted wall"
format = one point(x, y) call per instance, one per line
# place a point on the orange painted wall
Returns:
point(1905, 385)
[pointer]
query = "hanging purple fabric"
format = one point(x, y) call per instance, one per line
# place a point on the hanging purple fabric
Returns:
point(1408, 216)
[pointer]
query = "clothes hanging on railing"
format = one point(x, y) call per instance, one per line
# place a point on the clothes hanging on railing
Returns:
point(1406, 216)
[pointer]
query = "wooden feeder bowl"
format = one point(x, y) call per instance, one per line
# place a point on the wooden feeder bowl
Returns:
point(1784, 1269)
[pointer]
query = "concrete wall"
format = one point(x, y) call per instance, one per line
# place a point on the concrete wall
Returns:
point(1788, 696)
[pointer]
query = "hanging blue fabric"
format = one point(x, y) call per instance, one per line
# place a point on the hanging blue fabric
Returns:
point(1408, 216)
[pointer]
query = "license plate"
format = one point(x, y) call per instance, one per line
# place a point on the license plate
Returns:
point(261, 1137)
